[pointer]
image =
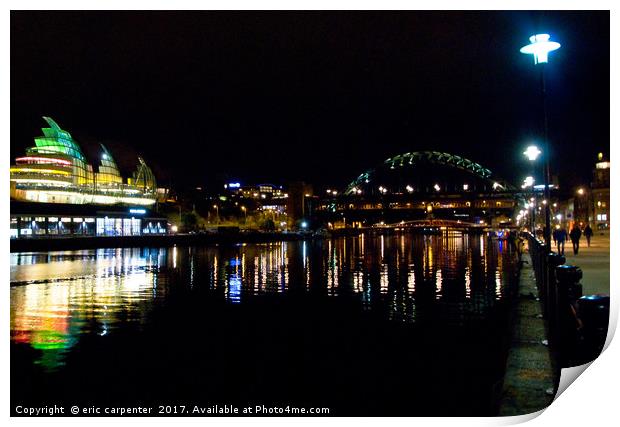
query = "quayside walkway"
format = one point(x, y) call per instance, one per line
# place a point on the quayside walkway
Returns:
point(593, 261)
point(529, 371)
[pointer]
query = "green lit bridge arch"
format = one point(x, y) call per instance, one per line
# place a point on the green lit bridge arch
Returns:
point(413, 159)
point(421, 186)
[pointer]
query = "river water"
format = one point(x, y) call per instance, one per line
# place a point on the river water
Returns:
point(367, 325)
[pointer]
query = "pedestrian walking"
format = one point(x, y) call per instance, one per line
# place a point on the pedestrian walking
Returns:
point(588, 233)
point(560, 238)
point(512, 241)
point(575, 235)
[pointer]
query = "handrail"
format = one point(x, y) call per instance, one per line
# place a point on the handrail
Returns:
point(575, 332)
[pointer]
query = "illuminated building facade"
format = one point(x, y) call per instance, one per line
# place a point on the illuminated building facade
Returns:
point(56, 220)
point(600, 193)
point(56, 192)
point(264, 197)
point(56, 170)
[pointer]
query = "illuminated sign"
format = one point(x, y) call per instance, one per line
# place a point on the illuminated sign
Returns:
point(234, 185)
point(137, 211)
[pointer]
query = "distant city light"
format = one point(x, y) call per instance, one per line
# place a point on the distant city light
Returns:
point(539, 47)
point(234, 185)
point(581, 191)
point(304, 224)
point(465, 187)
point(137, 211)
point(436, 187)
point(409, 188)
point(542, 187)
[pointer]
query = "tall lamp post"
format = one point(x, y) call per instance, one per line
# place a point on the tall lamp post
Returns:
point(217, 213)
point(539, 47)
point(529, 182)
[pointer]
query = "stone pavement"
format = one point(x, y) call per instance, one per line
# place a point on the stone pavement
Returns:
point(593, 261)
point(529, 372)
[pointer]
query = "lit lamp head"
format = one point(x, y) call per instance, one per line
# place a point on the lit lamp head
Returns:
point(532, 152)
point(528, 181)
point(540, 46)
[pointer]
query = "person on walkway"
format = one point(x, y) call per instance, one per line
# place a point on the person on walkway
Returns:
point(512, 240)
point(560, 238)
point(575, 235)
point(588, 233)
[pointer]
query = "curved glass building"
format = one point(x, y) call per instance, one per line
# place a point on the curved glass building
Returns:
point(56, 170)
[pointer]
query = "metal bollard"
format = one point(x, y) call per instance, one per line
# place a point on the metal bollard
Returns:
point(568, 277)
point(593, 312)
point(549, 279)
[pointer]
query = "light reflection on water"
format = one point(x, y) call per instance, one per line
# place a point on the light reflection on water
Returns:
point(58, 297)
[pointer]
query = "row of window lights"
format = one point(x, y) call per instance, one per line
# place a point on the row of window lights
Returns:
point(410, 189)
point(555, 205)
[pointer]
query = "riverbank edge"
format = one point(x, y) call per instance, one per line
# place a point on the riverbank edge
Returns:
point(529, 371)
point(72, 243)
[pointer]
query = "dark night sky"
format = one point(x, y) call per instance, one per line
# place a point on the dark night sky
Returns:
point(317, 96)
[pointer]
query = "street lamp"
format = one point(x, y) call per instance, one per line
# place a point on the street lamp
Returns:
point(539, 47)
point(582, 192)
point(528, 182)
point(532, 152)
point(245, 214)
point(217, 214)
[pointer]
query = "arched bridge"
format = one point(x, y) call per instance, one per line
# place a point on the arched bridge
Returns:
point(416, 159)
point(424, 185)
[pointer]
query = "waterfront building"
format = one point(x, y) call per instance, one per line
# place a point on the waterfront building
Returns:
point(56, 192)
point(50, 220)
point(600, 193)
point(56, 170)
point(257, 191)
point(270, 199)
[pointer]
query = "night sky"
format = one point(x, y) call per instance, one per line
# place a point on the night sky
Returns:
point(314, 96)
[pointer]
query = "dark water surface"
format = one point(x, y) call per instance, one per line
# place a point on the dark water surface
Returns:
point(368, 325)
